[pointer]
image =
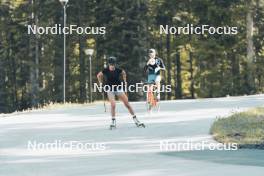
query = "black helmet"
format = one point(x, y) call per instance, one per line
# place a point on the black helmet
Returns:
point(111, 60)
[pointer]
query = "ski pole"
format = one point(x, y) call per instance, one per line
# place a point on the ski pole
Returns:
point(104, 102)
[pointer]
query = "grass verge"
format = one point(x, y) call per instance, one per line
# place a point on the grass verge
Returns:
point(244, 128)
point(50, 106)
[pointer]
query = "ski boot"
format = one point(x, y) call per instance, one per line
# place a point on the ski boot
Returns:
point(138, 123)
point(113, 124)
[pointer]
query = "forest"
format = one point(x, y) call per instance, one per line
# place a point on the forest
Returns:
point(197, 66)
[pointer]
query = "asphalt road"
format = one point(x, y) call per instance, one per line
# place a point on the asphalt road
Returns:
point(128, 150)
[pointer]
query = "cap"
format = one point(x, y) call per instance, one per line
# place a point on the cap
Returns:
point(152, 51)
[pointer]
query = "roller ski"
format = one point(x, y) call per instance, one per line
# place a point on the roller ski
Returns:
point(138, 123)
point(113, 124)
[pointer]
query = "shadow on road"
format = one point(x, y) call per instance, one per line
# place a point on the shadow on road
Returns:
point(239, 157)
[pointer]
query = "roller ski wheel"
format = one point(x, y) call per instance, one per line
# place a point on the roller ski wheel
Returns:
point(113, 125)
point(140, 125)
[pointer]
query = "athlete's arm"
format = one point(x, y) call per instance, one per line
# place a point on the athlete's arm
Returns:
point(100, 77)
point(145, 68)
point(162, 66)
point(148, 62)
point(123, 73)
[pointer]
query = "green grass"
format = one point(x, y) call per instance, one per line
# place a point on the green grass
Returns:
point(244, 128)
point(50, 106)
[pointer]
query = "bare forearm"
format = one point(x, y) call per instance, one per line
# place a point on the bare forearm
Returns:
point(100, 78)
point(124, 77)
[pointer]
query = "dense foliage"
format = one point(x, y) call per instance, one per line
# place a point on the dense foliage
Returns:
point(31, 66)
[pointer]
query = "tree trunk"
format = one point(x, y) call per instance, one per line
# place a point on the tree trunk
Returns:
point(191, 72)
point(34, 73)
point(82, 64)
point(3, 91)
point(161, 54)
point(82, 71)
point(13, 69)
point(178, 90)
point(191, 57)
point(235, 74)
point(250, 48)
point(250, 45)
point(58, 65)
point(168, 46)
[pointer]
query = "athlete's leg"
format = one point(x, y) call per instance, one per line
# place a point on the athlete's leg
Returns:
point(122, 96)
point(157, 82)
point(151, 79)
point(111, 98)
point(158, 86)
